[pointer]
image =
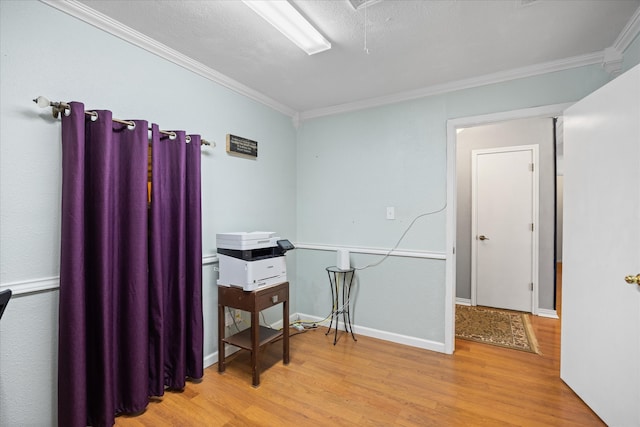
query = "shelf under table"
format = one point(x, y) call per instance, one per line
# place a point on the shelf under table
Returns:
point(243, 338)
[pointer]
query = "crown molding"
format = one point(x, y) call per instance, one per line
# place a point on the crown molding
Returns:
point(113, 27)
point(612, 61)
point(614, 55)
point(628, 33)
point(487, 79)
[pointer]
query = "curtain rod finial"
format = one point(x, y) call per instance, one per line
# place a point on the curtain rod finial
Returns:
point(57, 107)
point(42, 102)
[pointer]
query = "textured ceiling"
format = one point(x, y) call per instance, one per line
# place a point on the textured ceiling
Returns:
point(411, 44)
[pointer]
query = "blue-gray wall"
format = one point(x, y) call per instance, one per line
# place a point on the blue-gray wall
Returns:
point(631, 55)
point(328, 183)
point(46, 52)
point(351, 166)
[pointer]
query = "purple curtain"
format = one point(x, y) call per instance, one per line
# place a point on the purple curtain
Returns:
point(108, 303)
point(176, 287)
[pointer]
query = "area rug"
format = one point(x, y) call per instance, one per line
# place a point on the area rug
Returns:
point(493, 326)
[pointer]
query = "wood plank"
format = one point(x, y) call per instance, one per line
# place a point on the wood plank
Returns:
point(374, 382)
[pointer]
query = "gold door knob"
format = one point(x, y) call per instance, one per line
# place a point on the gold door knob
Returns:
point(633, 279)
point(483, 237)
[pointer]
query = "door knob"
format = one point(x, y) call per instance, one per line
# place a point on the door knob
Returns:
point(633, 279)
point(483, 237)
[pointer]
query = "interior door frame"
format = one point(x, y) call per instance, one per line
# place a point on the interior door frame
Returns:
point(535, 195)
point(452, 185)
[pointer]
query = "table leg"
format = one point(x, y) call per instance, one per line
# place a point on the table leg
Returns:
point(221, 324)
point(336, 278)
point(333, 302)
point(285, 331)
point(347, 306)
point(345, 301)
point(255, 341)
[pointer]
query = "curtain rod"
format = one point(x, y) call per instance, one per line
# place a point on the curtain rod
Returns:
point(59, 107)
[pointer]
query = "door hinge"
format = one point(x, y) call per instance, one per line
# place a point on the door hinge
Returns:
point(531, 167)
point(532, 227)
point(531, 286)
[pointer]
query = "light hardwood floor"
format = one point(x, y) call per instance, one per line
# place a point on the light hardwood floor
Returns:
point(377, 383)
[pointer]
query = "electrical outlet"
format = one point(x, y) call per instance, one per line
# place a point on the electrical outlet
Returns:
point(391, 212)
point(228, 319)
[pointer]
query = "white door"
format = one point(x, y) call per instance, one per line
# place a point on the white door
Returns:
point(503, 217)
point(600, 346)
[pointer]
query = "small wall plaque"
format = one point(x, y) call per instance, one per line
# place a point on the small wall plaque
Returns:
point(242, 146)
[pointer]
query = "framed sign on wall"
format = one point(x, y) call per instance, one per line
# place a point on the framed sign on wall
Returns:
point(242, 147)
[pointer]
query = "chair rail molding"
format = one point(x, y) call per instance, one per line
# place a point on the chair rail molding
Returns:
point(406, 253)
point(31, 286)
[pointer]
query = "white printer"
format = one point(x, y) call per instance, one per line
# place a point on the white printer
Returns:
point(251, 260)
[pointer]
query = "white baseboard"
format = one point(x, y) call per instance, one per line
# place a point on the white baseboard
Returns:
point(545, 312)
point(212, 359)
point(292, 318)
point(384, 335)
point(542, 312)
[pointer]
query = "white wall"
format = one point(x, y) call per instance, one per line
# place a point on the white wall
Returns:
point(46, 52)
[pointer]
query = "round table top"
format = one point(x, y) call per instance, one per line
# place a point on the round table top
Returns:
point(334, 269)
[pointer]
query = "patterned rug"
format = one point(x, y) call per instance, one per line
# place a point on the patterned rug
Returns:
point(503, 328)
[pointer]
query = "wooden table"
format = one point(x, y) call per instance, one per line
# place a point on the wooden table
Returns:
point(256, 336)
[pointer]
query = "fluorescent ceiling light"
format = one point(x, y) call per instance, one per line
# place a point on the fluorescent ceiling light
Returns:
point(291, 23)
point(359, 4)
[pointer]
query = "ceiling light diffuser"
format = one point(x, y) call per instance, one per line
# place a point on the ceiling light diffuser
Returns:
point(286, 19)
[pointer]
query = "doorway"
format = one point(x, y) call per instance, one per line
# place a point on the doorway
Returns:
point(526, 132)
point(541, 307)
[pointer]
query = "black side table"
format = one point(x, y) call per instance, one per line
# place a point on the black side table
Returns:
point(335, 274)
